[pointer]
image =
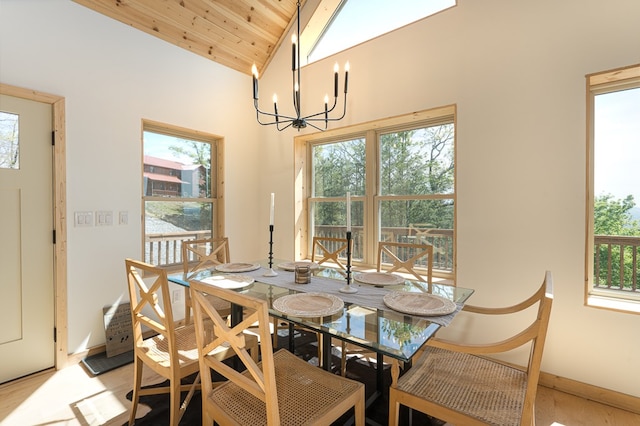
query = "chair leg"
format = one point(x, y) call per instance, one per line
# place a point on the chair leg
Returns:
point(360, 411)
point(174, 407)
point(137, 383)
point(393, 407)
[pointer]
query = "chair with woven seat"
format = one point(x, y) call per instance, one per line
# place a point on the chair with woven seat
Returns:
point(281, 389)
point(201, 254)
point(328, 249)
point(460, 383)
point(172, 352)
point(406, 258)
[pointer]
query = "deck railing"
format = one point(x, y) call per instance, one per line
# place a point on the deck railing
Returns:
point(616, 263)
point(166, 249)
point(616, 258)
point(441, 239)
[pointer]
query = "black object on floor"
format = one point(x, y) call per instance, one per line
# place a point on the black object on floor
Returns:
point(305, 347)
point(100, 363)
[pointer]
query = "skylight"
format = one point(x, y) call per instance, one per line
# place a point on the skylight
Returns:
point(356, 21)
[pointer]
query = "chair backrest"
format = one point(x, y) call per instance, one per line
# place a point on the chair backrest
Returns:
point(150, 302)
point(208, 252)
point(406, 257)
point(261, 383)
point(535, 334)
point(329, 249)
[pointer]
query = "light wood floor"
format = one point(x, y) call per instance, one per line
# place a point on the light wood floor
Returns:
point(73, 396)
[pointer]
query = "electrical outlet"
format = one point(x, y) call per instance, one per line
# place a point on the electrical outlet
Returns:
point(123, 218)
point(177, 295)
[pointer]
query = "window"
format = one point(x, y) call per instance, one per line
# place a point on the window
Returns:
point(613, 252)
point(340, 24)
point(180, 190)
point(9, 140)
point(400, 174)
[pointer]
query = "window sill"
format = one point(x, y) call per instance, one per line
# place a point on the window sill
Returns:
point(614, 304)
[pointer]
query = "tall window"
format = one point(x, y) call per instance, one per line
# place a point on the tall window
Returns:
point(401, 179)
point(179, 192)
point(613, 252)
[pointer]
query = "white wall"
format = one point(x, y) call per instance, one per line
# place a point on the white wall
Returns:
point(516, 71)
point(113, 76)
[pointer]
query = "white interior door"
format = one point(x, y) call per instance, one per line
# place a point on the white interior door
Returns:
point(26, 238)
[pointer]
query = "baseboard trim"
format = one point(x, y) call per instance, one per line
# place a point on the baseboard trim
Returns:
point(591, 392)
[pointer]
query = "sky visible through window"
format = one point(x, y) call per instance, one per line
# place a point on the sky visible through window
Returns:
point(361, 20)
point(617, 144)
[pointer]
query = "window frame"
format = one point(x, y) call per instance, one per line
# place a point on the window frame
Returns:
point(371, 132)
point(597, 84)
point(216, 197)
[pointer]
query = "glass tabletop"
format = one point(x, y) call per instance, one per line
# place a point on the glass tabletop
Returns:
point(364, 320)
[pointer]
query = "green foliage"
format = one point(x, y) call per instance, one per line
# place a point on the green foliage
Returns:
point(415, 162)
point(613, 218)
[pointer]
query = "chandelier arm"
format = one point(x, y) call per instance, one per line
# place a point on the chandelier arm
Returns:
point(344, 110)
point(270, 114)
point(316, 127)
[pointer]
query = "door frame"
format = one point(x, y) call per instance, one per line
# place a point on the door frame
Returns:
point(59, 214)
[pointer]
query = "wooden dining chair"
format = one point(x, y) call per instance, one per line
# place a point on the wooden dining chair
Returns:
point(460, 384)
point(281, 389)
point(201, 254)
point(398, 257)
point(406, 258)
point(171, 352)
point(329, 249)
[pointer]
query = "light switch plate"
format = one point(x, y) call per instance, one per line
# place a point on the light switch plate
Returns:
point(104, 218)
point(83, 219)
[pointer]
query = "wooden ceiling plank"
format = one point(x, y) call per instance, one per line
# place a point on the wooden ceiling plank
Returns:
point(225, 22)
point(133, 13)
point(188, 26)
point(234, 33)
point(257, 15)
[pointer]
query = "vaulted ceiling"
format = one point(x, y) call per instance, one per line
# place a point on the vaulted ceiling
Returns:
point(234, 33)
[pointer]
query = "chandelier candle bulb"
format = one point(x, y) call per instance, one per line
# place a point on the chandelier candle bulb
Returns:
point(254, 71)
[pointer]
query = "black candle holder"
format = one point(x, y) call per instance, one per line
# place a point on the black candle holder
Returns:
point(270, 272)
point(348, 288)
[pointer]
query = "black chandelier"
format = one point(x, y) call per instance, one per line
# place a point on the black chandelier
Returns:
point(298, 121)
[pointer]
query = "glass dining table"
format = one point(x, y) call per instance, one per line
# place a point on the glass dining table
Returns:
point(362, 318)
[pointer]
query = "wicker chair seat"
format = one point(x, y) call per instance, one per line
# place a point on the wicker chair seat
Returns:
point(156, 348)
point(305, 394)
point(491, 392)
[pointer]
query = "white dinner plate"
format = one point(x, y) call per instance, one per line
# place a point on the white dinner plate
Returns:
point(232, 282)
